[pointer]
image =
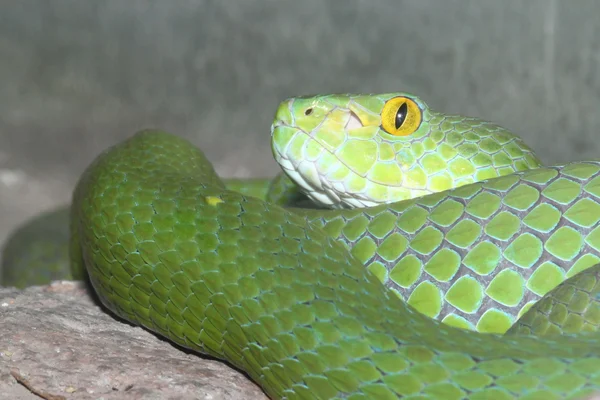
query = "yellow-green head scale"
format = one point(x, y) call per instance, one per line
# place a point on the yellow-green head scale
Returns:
point(357, 150)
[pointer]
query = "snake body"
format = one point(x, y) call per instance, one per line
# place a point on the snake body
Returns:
point(294, 296)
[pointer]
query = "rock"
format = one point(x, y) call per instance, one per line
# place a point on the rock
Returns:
point(57, 343)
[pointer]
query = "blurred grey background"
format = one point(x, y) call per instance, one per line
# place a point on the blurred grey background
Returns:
point(78, 76)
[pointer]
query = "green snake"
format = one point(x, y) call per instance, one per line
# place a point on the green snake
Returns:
point(433, 235)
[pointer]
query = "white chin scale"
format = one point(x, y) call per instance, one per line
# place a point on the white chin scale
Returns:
point(318, 188)
point(325, 194)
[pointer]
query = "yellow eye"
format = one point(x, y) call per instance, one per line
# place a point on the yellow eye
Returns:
point(400, 116)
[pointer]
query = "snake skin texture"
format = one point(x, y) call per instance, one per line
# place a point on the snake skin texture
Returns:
point(480, 255)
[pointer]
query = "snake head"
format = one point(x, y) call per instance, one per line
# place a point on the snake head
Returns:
point(360, 150)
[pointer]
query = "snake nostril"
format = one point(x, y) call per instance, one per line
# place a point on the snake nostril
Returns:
point(308, 111)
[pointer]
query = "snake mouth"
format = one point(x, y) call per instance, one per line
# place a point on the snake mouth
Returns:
point(315, 183)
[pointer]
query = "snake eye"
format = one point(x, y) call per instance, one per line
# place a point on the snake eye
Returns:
point(400, 116)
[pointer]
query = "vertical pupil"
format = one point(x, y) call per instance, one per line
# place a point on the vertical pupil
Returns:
point(401, 115)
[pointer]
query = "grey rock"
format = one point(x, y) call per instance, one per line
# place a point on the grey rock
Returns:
point(60, 343)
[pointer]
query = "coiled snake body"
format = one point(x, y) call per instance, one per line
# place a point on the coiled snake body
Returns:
point(455, 216)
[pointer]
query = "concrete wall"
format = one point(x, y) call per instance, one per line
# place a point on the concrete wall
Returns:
point(78, 76)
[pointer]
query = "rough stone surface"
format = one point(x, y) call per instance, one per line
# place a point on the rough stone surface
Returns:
point(64, 345)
